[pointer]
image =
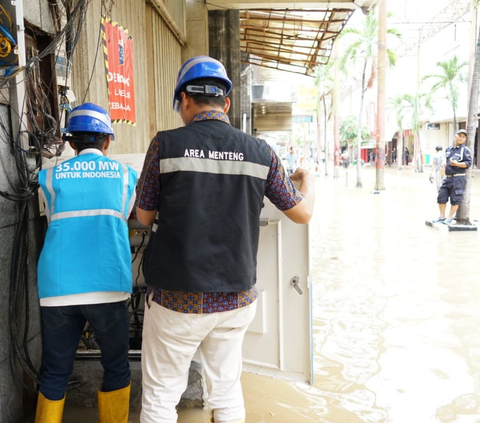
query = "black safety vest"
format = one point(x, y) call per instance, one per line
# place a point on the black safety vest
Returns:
point(212, 184)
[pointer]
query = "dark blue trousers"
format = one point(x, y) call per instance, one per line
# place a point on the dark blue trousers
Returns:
point(62, 329)
point(454, 188)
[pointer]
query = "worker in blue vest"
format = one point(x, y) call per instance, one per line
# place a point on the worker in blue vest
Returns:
point(84, 270)
point(202, 189)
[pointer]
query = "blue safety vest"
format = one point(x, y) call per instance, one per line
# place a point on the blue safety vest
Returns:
point(86, 246)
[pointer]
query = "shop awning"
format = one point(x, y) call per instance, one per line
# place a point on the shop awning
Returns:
point(290, 40)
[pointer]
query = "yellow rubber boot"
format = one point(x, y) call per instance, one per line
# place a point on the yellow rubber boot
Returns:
point(113, 406)
point(49, 411)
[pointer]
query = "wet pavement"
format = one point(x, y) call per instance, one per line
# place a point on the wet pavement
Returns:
point(396, 312)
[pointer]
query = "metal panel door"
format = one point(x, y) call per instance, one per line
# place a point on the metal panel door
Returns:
point(279, 340)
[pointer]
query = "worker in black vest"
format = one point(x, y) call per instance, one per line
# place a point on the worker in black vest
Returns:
point(459, 159)
point(202, 189)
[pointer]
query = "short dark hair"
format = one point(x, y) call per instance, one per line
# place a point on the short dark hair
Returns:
point(438, 147)
point(207, 100)
point(85, 140)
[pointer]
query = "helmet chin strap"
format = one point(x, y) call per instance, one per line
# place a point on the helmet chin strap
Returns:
point(84, 138)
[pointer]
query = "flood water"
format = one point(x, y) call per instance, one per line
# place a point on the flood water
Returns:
point(396, 312)
point(396, 304)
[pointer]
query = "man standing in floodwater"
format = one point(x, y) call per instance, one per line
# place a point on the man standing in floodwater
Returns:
point(202, 189)
point(459, 159)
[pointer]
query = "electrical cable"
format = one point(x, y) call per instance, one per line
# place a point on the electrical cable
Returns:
point(140, 246)
point(7, 15)
point(5, 47)
point(19, 288)
point(75, 22)
point(99, 42)
point(135, 300)
point(6, 38)
point(137, 294)
point(104, 11)
point(18, 293)
point(139, 270)
point(42, 128)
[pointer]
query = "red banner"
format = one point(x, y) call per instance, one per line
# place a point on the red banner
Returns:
point(118, 54)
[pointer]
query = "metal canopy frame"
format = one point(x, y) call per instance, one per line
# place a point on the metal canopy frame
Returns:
point(453, 12)
point(290, 40)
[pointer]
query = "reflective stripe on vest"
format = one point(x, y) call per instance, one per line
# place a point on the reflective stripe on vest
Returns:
point(85, 213)
point(50, 207)
point(49, 186)
point(221, 167)
point(125, 188)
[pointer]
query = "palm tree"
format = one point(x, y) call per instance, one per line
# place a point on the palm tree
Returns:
point(398, 106)
point(381, 96)
point(363, 47)
point(449, 79)
point(463, 212)
point(325, 84)
point(349, 135)
point(412, 105)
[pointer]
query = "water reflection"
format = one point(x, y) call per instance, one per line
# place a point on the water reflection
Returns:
point(395, 304)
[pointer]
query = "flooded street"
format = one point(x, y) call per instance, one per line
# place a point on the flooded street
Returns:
point(396, 312)
point(396, 304)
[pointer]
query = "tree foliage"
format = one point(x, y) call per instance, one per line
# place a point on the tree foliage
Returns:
point(324, 81)
point(363, 50)
point(349, 131)
point(449, 79)
point(409, 107)
point(397, 106)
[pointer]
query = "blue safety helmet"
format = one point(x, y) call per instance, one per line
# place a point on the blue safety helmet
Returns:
point(89, 117)
point(199, 67)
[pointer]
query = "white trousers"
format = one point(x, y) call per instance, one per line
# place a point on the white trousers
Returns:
point(170, 340)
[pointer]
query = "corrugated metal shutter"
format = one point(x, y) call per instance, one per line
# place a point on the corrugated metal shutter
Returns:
point(163, 64)
point(157, 58)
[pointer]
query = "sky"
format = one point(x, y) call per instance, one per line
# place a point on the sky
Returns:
point(409, 15)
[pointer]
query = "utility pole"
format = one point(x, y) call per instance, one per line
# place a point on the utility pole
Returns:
point(381, 97)
point(336, 111)
point(463, 213)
